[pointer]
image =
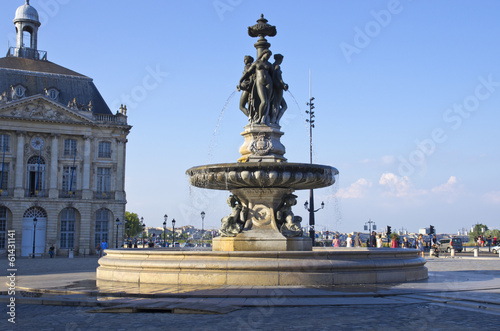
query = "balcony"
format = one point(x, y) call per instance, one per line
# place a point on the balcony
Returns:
point(36, 194)
point(27, 53)
point(117, 119)
point(6, 192)
point(70, 194)
point(104, 195)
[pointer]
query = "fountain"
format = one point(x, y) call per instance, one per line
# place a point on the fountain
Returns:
point(262, 242)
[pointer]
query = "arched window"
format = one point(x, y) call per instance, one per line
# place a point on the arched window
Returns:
point(35, 175)
point(3, 227)
point(68, 221)
point(101, 225)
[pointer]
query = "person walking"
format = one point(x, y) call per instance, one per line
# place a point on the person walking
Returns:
point(104, 245)
point(98, 249)
point(336, 241)
point(379, 241)
point(51, 251)
point(373, 240)
point(357, 240)
point(348, 241)
point(394, 242)
point(406, 243)
point(420, 244)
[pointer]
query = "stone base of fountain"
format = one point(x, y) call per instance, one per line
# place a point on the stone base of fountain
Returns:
point(261, 241)
point(321, 267)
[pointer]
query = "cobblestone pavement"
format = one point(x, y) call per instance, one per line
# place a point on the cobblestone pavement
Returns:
point(461, 293)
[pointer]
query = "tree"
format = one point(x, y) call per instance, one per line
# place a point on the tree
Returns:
point(477, 230)
point(133, 225)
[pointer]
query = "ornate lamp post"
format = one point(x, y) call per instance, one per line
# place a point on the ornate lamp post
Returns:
point(202, 226)
point(311, 211)
point(173, 232)
point(165, 230)
point(117, 226)
point(34, 234)
point(143, 229)
point(127, 230)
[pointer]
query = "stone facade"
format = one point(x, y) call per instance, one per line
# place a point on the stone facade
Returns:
point(62, 163)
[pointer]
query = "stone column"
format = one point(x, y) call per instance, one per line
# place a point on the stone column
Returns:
point(53, 191)
point(120, 169)
point(86, 180)
point(19, 187)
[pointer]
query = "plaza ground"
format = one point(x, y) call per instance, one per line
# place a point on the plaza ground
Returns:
point(61, 294)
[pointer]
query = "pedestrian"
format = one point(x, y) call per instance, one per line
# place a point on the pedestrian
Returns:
point(98, 249)
point(104, 245)
point(373, 240)
point(394, 242)
point(420, 244)
point(379, 241)
point(357, 240)
point(336, 241)
point(51, 251)
point(406, 243)
point(348, 241)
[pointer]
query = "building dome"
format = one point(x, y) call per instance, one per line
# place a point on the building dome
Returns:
point(26, 12)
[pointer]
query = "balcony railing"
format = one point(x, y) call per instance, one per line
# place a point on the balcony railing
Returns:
point(110, 119)
point(27, 53)
point(104, 195)
point(70, 194)
point(36, 194)
point(6, 192)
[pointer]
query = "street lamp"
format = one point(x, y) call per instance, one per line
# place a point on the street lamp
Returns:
point(117, 226)
point(311, 211)
point(173, 232)
point(127, 230)
point(165, 230)
point(143, 229)
point(34, 234)
point(202, 227)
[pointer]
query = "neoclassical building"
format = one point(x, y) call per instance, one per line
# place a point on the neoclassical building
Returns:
point(62, 153)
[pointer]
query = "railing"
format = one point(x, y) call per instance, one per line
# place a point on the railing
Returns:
point(110, 119)
point(70, 194)
point(36, 194)
point(6, 192)
point(28, 53)
point(104, 195)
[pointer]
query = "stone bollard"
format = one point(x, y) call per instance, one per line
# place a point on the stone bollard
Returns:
point(453, 252)
point(476, 252)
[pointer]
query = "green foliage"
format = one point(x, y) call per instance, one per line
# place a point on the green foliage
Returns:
point(478, 230)
point(133, 225)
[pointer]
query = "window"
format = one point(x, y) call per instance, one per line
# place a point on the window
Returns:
point(4, 176)
point(69, 147)
point(68, 220)
point(4, 143)
point(104, 149)
point(69, 173)
point(3, 226)
point(35, 175)
point(103, 180)
point(101, 226)
point(18, 92)
point(52, 93)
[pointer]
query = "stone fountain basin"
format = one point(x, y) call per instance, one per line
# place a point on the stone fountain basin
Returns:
point(230, 176)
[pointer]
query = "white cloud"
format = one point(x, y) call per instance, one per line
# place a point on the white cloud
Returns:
point(356, 190)
point(449, 187)
point(398, 186)
point(493, 196)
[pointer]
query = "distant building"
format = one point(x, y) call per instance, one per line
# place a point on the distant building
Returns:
point(62, 152)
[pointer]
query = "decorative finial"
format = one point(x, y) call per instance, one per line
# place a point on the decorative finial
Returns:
point(28, 2)
point(262, 29)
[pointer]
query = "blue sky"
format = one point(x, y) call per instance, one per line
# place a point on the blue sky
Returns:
point(407, 100)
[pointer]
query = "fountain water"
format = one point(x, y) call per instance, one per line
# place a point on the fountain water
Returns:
point(262, 242)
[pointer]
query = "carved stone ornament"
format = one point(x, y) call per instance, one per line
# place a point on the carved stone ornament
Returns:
point(262, 29)
point(261, 145)
point(38, 111)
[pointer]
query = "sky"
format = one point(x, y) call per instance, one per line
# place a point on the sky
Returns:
point(407, 97)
